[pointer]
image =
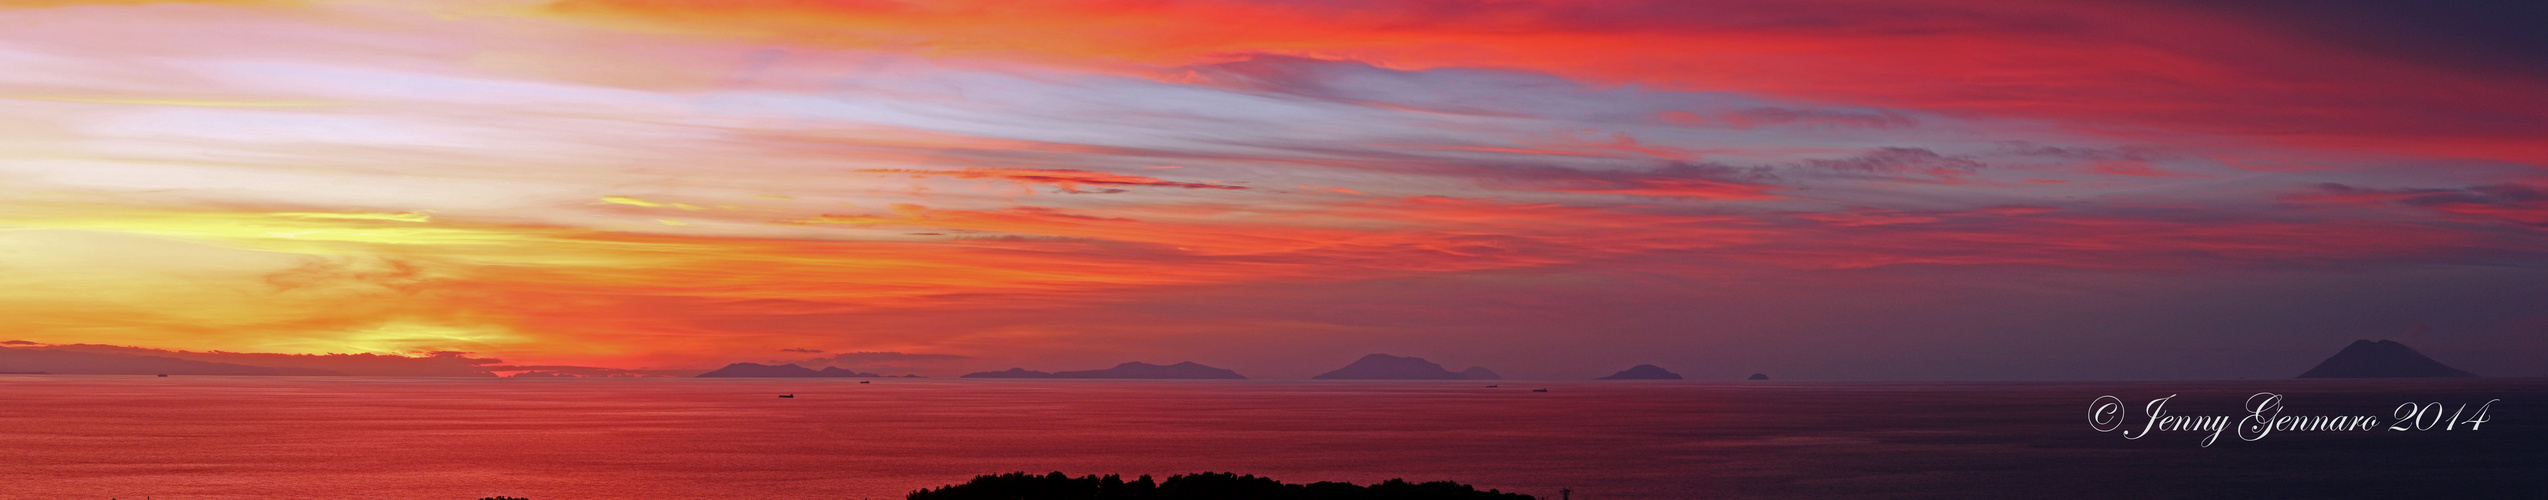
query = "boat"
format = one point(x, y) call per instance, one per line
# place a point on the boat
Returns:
point(863, 382)
point(1539, 390)
point(791, 396)
point(163, 375)
point(1491, 386)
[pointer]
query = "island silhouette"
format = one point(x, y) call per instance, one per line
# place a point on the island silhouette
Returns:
point(757, 370)
point(1188, 370)
point(1387, 367)
point(1643, 372)
point(1199, 486)
point(2383, 359)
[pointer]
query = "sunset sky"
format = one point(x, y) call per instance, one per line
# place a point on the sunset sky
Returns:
point(1845, 189)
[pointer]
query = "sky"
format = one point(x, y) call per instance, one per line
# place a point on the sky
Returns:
point(1818, 190)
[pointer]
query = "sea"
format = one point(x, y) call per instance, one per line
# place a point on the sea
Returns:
point(205, 437)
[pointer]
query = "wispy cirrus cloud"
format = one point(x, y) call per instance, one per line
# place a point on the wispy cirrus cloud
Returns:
point(676, 185)
point(2077, 61)
point(2514, 203)
point(1676, 180)
point(1771, 116)
point(1067, 181)
point(1898, 163)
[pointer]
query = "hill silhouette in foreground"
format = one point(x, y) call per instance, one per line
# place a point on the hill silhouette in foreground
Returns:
point(1387, 367)
point(2383, 359)
point(757, 370)
point(1134, 370)
point(1643, 372)
point(1201, 486)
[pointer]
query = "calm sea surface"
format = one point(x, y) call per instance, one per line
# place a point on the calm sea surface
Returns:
point(295, 437)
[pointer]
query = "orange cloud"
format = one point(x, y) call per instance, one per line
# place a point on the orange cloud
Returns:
point(275, 281)
point(575, 237)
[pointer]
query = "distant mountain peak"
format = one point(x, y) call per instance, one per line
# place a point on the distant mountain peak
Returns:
point(1643, 372)
point(835, 371)
point(1188, 370)
point(1387, 367)
point(790, 370)
point(2383, 359)
point(760, 370)
point(1009, 373)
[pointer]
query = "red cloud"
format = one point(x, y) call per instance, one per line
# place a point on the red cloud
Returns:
point(2094, 63)
point(2042, 236)
point(1670, 188)
point(2515, 203)
point(1746, 119)
point(1072, 181)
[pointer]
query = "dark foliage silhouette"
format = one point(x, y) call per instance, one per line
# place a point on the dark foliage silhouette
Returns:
point(1200, 486)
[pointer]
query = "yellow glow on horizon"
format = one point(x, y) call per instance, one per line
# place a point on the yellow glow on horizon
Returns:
point(402, 216)
point(627, 200)
point(407, 338)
